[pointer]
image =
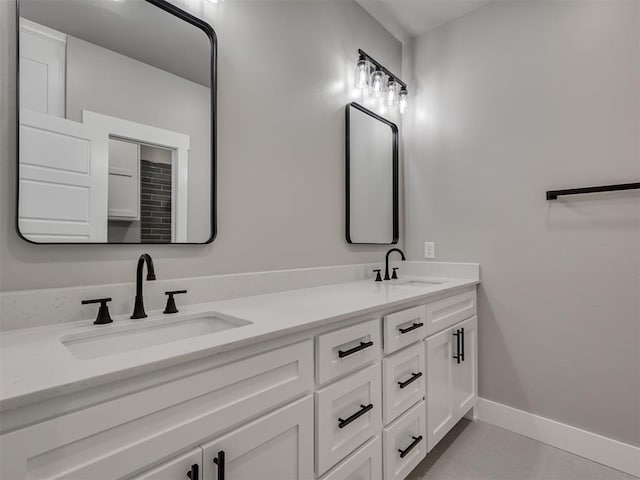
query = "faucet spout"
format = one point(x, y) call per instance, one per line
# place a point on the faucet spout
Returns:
point(386, 261)
point(138, 309)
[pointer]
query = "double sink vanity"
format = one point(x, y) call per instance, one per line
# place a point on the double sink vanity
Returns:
point(327, 373)
point(347, 380)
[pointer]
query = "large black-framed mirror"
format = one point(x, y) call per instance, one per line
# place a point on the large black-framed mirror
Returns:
point(116, 123)
point(371, 177)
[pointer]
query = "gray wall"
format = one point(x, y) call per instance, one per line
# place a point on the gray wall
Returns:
point(283, 83)
point(514, 99)
point(109, 83)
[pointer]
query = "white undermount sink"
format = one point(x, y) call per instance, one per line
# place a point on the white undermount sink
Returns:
point(417, 283)
point(133, 337)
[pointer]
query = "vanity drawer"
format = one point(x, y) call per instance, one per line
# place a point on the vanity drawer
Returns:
point(404, 443)
point(403, 328)
point(451, 310)
point(403, 375)
point(345, 350)
point(364, 463)
point(348, 413)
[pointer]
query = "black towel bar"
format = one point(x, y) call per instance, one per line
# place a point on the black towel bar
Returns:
point(554, 194)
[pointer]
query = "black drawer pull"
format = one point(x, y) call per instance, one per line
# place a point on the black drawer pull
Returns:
point(409, 329)
point(363, 409)
point(457, 357)
point(405, 452)
point(414, 377)
point(462, 343)
point(219, 461)
point(351, 351)
point(194, 473)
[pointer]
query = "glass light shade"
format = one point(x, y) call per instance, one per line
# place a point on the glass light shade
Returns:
point(392, 92)
point(402, 100)
point(377, 78)
point(382, 106)
point(361, 73)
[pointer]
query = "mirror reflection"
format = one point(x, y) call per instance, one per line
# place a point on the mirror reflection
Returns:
point(372, 177)
point(115, 135)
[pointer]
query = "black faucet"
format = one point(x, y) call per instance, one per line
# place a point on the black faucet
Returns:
point(138, 309)
point(386, 261)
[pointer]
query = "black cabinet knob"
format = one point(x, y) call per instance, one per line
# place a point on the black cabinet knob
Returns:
point(171, 302)
point(103, 312)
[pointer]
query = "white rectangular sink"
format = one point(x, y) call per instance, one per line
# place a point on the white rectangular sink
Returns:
point(418, 283)
point(133, 337)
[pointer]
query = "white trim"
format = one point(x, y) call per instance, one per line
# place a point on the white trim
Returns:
point(179, 143)
point(43, 32)
point(592, 446)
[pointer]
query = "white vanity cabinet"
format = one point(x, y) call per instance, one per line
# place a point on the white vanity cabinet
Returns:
point(365, 398)
point(425, 391)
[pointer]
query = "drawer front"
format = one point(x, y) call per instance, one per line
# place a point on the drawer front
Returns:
point(119, 437)
point(404, 443)
point(403, 375)
point(364, 464)
point(348, 349)
point(348, 413)
point(451, 310)
point(404, 328)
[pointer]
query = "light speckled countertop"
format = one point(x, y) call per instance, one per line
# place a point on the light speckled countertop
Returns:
point(35, 365)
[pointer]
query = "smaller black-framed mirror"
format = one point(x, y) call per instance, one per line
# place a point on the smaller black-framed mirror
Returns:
point(371, 177)
point(117, 123)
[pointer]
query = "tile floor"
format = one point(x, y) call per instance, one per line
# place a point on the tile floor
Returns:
point(479, 451)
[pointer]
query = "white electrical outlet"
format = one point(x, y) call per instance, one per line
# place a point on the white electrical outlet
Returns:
point(429, 250)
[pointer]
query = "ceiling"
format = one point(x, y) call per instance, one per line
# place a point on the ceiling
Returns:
point(132, 28)
point(407, 18)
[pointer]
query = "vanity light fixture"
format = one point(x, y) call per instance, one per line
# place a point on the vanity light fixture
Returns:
point(402, 100)
point(362, 73)
point(392, 92)
point(379, 86)
point(376, 83)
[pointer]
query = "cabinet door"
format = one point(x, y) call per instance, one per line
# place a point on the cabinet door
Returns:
point(187, 466)
point(466, 373)
point(277, 446)
point(124, 183)
point(440, 386)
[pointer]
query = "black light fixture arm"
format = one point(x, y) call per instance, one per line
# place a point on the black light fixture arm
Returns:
point(365, 56)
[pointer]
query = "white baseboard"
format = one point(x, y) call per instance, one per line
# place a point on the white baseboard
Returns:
point(609, 452)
